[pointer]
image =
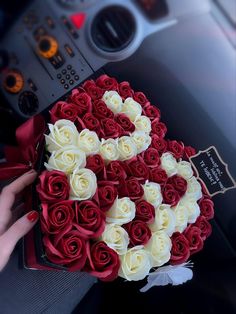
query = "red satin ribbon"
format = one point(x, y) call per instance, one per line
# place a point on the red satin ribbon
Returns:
point(22, 158)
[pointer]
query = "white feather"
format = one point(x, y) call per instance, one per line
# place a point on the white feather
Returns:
point(174, 275)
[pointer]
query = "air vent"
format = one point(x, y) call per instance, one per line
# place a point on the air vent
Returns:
point(113, 29)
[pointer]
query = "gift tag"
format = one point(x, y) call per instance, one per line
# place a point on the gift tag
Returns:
point(212, 171)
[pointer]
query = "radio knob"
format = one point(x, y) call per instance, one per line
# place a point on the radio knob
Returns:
point(47, 47)
point(13, 82)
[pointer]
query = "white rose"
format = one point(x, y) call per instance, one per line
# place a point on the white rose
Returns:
point(192, 207)
point(126, 148)
point(109, 149)
point(83, 184)
point(159, 247)
point(62, 133)
point(132, 108)
point(169, 164)
point(116, 238)
point(164, 220)
point(135, 264)
point(181, 217)
point(89, 142)
point(121, 212)
point(113, 101)
point(66, 159)
point(184, 169)
point(194, 189)
point(152, 193)
point(142, 140)
point(143, 123)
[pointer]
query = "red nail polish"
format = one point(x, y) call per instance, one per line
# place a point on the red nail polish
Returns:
point(33, 216)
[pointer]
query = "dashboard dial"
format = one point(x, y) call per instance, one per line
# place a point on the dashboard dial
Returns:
point(28, 103)
point(47, 47)
point(13, 82)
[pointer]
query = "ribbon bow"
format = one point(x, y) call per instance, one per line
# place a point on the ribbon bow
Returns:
point(24, 156)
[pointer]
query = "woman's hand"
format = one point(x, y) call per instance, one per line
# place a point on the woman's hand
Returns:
point(9, 235)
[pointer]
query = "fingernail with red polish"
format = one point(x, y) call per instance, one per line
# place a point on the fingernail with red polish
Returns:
point(33, 216)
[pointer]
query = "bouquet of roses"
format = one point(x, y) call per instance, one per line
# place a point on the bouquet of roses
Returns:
point(116, 197)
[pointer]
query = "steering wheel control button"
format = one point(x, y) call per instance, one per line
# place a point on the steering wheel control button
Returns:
point(13, 82)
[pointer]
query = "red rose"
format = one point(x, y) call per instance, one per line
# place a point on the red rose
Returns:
point(96, 164)
point(180, 251)
point(138, 169)
point(110, 128)
point(158, 175)
point(64, 110)
point(159, 143)
point(57, 217)
point(204, 226)
point(131, 188)
point(125, 122)
point(141, 99)
point(101, 111)
point(93, 90)
point(89, 219)
point(176, 148)
point(82, 100)
point(91, 122)
point(178, 183)
point(152, 112)
point(125, 90)
point(207, 208)
point(103, 262)
point(170, 195)
point(107, 83)
point(159, 128)
point(53, 186)
point(151, 157)
point(139, 233)
point(189, 151)
point(66, 249)
point(145, 211)
point(193, 235)
point(107, 193)
point(116, 171)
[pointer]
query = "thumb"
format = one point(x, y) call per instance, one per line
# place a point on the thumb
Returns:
point(9, 239)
